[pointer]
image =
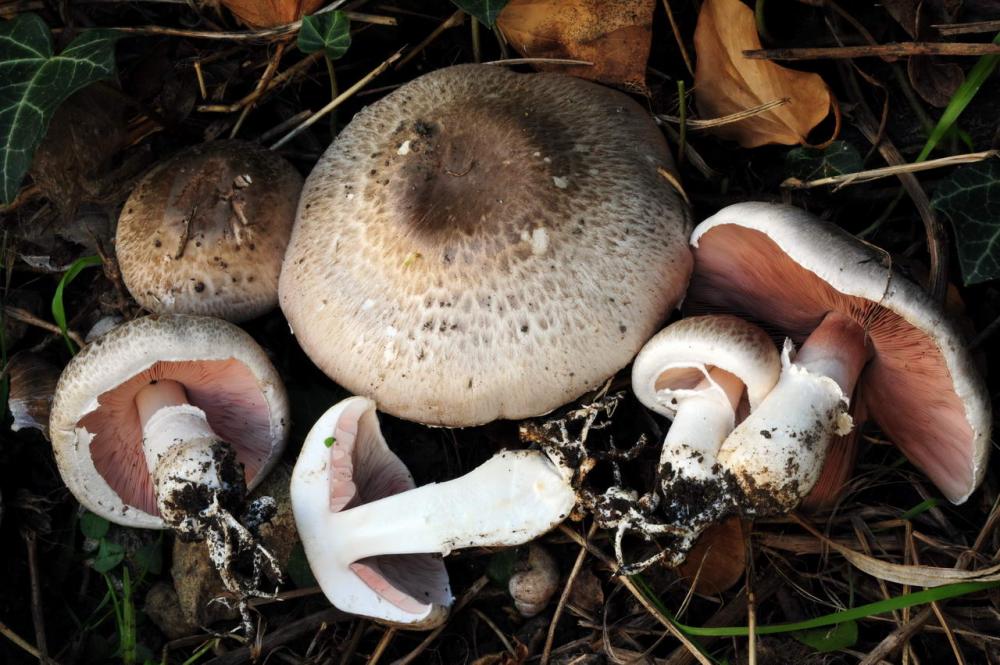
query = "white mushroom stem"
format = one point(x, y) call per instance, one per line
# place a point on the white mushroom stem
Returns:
point(777, 453)
point(705, 417)
point(510, 499)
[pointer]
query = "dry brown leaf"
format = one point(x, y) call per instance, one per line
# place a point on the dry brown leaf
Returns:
point(615, 35)
point(723, 550)
point(269, 13)
point(727, 82)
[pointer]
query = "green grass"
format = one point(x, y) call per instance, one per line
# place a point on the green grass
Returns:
point(58, 309)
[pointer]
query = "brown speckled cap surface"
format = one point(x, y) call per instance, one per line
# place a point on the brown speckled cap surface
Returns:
point(482, 244)
point(205, 231)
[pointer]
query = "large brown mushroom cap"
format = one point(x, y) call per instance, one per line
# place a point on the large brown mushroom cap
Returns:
point(94, 425)
point(205, 231)
point(482, 244)
point(787, 270)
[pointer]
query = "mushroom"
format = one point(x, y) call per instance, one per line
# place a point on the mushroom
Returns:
point(535, 582)
point(697, 372)
point(205, 231)
point(371, 536)
point(865, 332)
point(481, 244)
point(166, 422)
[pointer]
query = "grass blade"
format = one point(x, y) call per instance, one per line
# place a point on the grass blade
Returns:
point(58, 310)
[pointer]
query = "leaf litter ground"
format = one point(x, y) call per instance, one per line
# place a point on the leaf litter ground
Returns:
point(84, 592)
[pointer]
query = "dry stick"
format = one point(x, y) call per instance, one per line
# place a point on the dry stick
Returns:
point(382, 645)
point(37, 617)
point(677, 37)
point(935, 605)
point(452, 21)
point(294, 70)
point(631, 586)
point(846, 179)
point(19, 641)
point(282, 635)
point(866, 51)
point(360, 627)
point(897, 638)
point(540, 61)
point(967, 28)
point(340, 99)
point(725, 119)
point(466, 598)
point(564, 597)
point(258, 91)
point(496, 631)
point(284, 125)
point(24, 316)
point(937, 239)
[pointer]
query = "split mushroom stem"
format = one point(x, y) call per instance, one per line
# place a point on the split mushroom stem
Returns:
point(703, 421)
point(777, 453)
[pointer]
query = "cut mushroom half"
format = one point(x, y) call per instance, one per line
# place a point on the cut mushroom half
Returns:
point(698, 372)
point(373, 539)
point(167, 422)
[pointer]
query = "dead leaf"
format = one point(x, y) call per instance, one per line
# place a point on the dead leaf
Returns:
point(726, 82)
point(269, 13)
point(615, 35)
point(723, 550)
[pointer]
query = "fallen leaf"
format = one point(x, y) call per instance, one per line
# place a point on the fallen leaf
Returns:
point(268, 13)
point(615, 35)
point(970, 199)
point(723, 550)
point(727, 82)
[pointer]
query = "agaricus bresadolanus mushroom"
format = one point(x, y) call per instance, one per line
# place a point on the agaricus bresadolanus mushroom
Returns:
point(481, 244)
point(369, 534)
point(697, 372)
point(863, 329)
point(166, 422)
point(205, 231)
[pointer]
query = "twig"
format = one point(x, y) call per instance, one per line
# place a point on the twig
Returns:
point(284, 125)
point(496, 631)
point(967, 28)
point(37, 616)
point(452, 21)
point(340, 99)
point(845, 179)
point(19, 641)
point(936, 606)
point(294, 70)
point(564, 597)
point(540, 61)
point(876, 51)
point(24, 316)
point(726, 119)
point(466, 598)
point(896, 639)
point(281, 636)
point(382, 645)
point(639, 595)
point(260, 88)
point(677, 37)
point(352, 642)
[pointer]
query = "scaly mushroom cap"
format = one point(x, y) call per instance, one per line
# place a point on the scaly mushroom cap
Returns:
point(482, 244)
point(786, 270)
point(344, 463)
point(94, 424)
point(205, 231)
point(683, 354)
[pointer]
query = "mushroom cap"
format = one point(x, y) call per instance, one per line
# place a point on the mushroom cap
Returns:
point(678, 357)
point(94, 424)
point(481, 244)
point(406, 589)
point(205, 231)
point(785, 269)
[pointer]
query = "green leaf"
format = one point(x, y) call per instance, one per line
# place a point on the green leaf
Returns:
point(970, 199)
point(500, 567)
point(484, 10)
point(298, 568)
point(94, 526)
point(920, 508)
point(108, 556)
point(58, 310)
point(838, 158)
point(329, 441)
point(329, 32)
point(149, 558)
point(34, 82)
point(832, 638)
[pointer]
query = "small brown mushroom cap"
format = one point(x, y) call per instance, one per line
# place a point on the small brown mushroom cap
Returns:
point(205, 231)
point(482, 244)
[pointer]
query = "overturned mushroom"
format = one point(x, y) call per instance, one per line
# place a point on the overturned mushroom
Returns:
point(372, 538)
point(867, 334)
point(205, 231)
point(482, 244)
point(166, 422)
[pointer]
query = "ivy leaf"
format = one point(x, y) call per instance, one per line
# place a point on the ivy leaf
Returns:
point(484, 10)
point(831, 638)
point(329, 32)
point(838, 158)
point(34, 82)
point(970, 199)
